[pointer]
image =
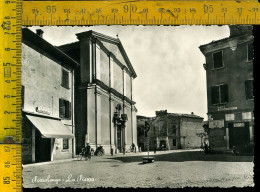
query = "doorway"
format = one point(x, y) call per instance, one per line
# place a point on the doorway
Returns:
point(119, 138)
point(162, 145)
point(238, 134)
point(42, 148)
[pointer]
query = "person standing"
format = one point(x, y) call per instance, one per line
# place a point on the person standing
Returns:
point(206, 148)
point(155, 147)
point(88, 151)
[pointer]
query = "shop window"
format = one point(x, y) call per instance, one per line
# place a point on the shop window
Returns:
point(249, 89)
point(65, 109)
point(174, 142)
point(217, 60)
point(250, 52)
point(219, 94)
point(65, 143)
point(65, 79)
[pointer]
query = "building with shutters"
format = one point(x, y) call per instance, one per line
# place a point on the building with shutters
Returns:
point(229, 73)
point(171, 130)
point(103, 85)
point(47, 100)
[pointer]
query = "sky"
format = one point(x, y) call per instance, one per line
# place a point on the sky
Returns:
point(167, 60)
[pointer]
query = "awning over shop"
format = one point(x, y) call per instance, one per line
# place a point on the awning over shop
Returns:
point(50, 128)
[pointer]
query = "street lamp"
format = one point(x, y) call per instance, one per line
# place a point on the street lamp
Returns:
point(146, 129)
point(120, 120)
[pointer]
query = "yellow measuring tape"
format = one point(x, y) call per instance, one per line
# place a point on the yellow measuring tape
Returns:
point(10, 95)
point(141, 12)
point(86, 13)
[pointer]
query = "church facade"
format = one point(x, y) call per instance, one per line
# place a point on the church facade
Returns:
point(103, 91)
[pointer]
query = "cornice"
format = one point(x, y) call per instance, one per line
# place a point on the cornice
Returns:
point(226, 43)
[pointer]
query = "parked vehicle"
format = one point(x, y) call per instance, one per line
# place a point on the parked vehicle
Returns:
point(99, 151)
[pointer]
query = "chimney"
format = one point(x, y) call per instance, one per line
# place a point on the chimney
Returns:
point(236, 30)
point(39, 32)
point(192, 113)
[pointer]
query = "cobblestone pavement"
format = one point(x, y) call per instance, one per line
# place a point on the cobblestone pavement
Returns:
point(172, 169)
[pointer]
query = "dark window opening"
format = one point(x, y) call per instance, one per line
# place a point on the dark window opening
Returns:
point(219, 94)
point(65, 109)
point(249, 89)
point(174, 129)
point(174, 142)
point(65, 143)
point(65, 79)
point(217, 59)
point(250, 52)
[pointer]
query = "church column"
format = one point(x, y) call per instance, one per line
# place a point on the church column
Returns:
point(111, 104)
point(124, 111)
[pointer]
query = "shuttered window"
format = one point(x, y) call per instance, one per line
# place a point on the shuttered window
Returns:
point(250, 52)
point(65, 143)
point(65, 109)
point(249, 89)
point(65, 79)
point(217, 60)
point(219, 94)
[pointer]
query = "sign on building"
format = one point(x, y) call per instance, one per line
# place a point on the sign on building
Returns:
point(238, 124)
point(230, 117)
point(246, 116)
point(216, 123)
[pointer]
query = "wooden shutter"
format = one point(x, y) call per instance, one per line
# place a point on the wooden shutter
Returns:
point(215, 95)
point(249, 89)
point(62, 108)
point(224, 93)
point(65, 78)
point(250, 52)
point(69, 109)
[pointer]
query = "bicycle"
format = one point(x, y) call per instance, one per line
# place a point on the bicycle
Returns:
point(83, 154)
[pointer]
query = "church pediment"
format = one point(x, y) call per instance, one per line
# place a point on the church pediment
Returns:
point(113, 48)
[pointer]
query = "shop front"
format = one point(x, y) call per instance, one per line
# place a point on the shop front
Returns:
point(239, 134)
point(45, 139)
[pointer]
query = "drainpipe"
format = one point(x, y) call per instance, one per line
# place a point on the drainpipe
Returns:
point(72, 113)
